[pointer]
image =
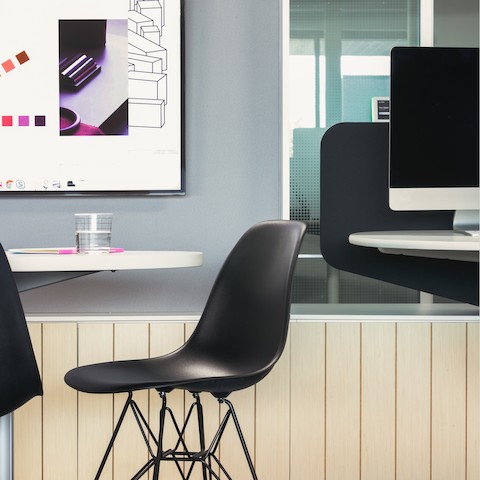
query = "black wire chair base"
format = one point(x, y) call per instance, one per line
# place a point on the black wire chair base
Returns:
point(180, 455)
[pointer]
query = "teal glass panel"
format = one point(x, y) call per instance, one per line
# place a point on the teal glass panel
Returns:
point(339, 60)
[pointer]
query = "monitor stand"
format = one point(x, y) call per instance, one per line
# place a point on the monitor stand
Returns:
point(467, 222)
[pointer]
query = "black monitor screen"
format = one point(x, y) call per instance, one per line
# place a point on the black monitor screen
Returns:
point(434, 117)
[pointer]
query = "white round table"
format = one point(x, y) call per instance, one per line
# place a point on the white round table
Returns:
point(128, 260)
point(33, 270)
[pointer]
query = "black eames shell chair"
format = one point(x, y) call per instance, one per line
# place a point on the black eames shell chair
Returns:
point(238, 340)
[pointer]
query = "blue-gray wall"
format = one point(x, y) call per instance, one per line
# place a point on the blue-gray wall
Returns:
point(233, 158)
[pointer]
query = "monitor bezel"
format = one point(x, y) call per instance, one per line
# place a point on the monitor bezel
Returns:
point(406, 198)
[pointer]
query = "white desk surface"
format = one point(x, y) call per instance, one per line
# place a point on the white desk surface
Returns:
point(417, 240)
point(128, 260)
point(432, 244)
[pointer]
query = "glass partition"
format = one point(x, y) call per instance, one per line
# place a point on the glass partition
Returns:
point(339, 61)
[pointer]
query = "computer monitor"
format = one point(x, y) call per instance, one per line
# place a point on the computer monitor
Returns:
point(434, 129)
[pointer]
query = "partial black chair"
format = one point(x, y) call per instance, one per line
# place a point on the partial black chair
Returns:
point(238, 340)
point(19, 377)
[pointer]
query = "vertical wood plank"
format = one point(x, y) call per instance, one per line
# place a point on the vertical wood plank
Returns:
point(95, 412)
point(130, 452)
point(413, 401)
point(59, 402)
point(27, 436)
point(165, 338)
point(473, 401)
point(307, 451)
point(272, 452)
point(448, 400)
point(378, 401)
point(342, 423)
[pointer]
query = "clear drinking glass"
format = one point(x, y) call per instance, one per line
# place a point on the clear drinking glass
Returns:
point(93, 232)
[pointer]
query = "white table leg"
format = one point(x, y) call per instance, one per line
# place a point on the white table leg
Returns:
point(6, 464)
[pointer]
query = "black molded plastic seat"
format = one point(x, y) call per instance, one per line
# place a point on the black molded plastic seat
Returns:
point(238, 340)
point(19, 376)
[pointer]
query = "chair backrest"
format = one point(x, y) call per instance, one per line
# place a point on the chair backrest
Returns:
point(19, 376)
point(245, 321)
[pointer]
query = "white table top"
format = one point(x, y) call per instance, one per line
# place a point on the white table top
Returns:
point(433, 244)
point(418, 240)
point(128, 260)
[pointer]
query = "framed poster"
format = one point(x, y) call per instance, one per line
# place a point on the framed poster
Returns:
point(91, 97)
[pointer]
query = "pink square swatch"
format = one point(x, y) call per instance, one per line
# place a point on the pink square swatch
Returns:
point(8, 65)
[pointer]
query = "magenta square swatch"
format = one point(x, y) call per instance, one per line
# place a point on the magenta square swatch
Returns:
point(23, 121)
point(40, 120)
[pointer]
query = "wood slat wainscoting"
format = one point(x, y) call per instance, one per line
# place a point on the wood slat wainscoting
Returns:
point(347, 401)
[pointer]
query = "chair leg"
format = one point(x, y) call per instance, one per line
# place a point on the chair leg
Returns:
point(211, 452)
point(114, 436)
point(144, 429)
point(163, 410)
point(180, 453)
point(205, 456)
point(201, 433)
point(241, 437)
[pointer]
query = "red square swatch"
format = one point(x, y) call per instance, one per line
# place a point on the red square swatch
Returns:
point(8, 65)
point(7, 121)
